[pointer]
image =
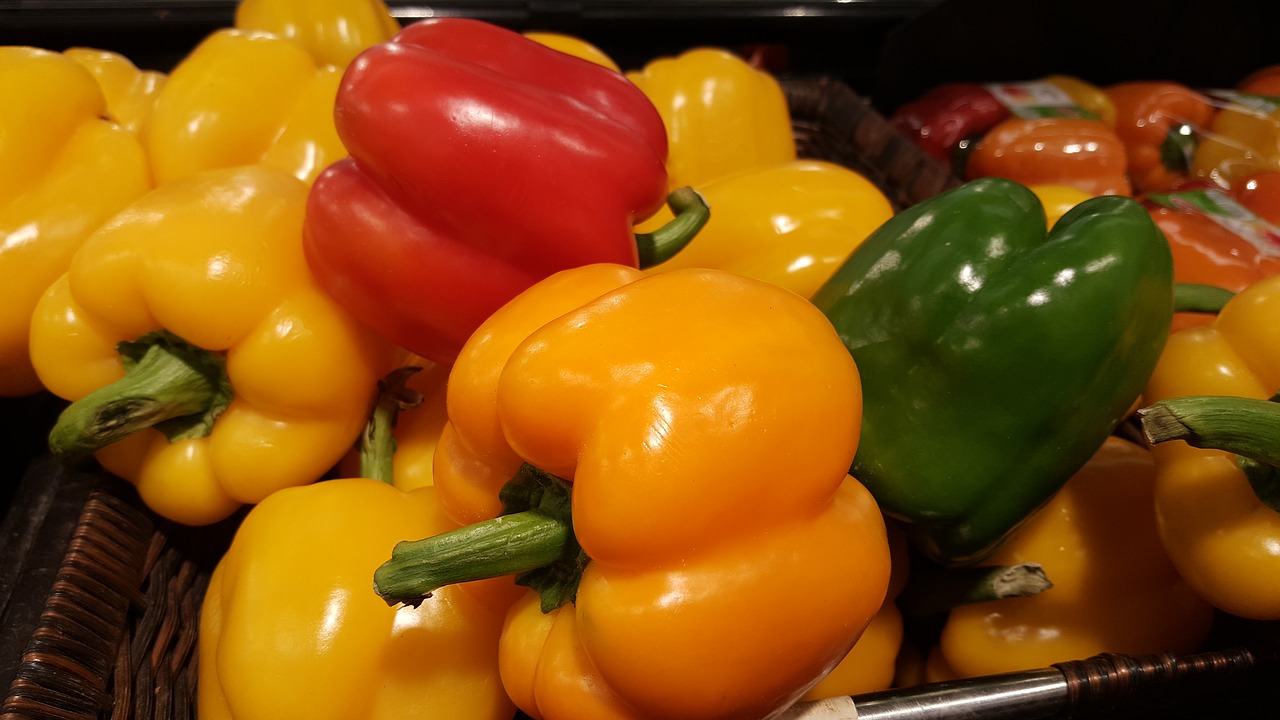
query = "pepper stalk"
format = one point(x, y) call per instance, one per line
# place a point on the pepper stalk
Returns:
point(1247, 427)
point(532, 539)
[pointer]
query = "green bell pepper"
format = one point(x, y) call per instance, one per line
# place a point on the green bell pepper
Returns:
point(995, 358)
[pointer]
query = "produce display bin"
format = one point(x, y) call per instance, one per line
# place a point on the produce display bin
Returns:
point(99, 597)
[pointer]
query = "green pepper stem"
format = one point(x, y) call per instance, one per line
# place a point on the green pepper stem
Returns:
point(929, 593)
point(1199, 298)
point(504, 545)
point(378, 441)
point(1246, 427)
point(691, 213)
point(533, 539)
point(169, 384)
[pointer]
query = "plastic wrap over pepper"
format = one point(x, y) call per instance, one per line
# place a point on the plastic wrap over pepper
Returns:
point(64, 170)
point(1215, 241)
point(675, 446)
point(995, 358)
point(1058, 130)
point(481, 162)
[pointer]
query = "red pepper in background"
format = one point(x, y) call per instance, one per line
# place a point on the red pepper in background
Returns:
point(480, 162)
point(1263, 81)
point(944, 118)
point(1158, 122)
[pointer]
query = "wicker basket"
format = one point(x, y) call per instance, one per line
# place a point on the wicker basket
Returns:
point(118, 590)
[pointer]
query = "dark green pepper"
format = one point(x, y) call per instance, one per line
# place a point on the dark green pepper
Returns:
point(995, 358)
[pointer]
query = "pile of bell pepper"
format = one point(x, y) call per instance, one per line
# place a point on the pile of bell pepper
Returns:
point(535, 385)
point(1206, 163)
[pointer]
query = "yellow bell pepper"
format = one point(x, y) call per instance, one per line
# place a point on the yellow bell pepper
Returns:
point(1243, 139)
point(1222, 537)
point(289, 627)
point(332, 31)
point(1088, 96)
point(64, 170)
point(1114, 588)
point(242, 98)
point(704, 424)
point(204, 363)
point(574, 46)
point(791, 224)
point(130, 92)
point(722, 115)
point(1058, 199)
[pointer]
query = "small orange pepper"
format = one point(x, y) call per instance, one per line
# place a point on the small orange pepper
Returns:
point(1084, 154)
point(1157, 122)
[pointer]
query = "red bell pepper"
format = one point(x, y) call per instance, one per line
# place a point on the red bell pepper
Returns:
point(944, 119)
point(481, 161)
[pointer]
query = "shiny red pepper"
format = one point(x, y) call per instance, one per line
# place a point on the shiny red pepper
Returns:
point(481, 161)
point(943, 119)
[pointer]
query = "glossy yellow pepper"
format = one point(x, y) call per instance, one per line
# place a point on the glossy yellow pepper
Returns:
point(704, 423)
point(241, 98)
point(130, 91)
point(1224, 540)
point(1086, 95)
point(1114, 588)
point(289, 627)
point(574, 46)
point(1058, 199)
point(210, 269)
point(1243, 139)
point(64, 170)
point(332, 31)
point(791, 224)
point(722, 115)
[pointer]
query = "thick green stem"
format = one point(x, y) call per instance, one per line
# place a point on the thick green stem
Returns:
point(505, 545)
point(169, 384)
point(928, 593)
point(533, 539)
point(1199, 298)
point(378, 441)
point(691, 213)
point(1247, 427)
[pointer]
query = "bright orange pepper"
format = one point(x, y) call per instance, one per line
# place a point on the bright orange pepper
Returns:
point(1084, 154)
point(1206, 252)
point(1157, 121)
point(1260, 192)
point(1263, 81)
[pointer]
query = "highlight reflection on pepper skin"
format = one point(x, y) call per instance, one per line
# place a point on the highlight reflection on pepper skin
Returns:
point(977, 332)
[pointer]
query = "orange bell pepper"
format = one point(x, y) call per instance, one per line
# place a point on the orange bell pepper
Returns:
point(1220, 534)
point(1158, 123)
point(1114, 588)
point(698, 427)
point(1085, 154)
point(1263, 81)
point(1260, 192)
point(1209, 252)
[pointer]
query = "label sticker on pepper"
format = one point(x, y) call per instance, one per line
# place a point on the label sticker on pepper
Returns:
point(1260, 104)
point(1030, 100)
point(1224, 210)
